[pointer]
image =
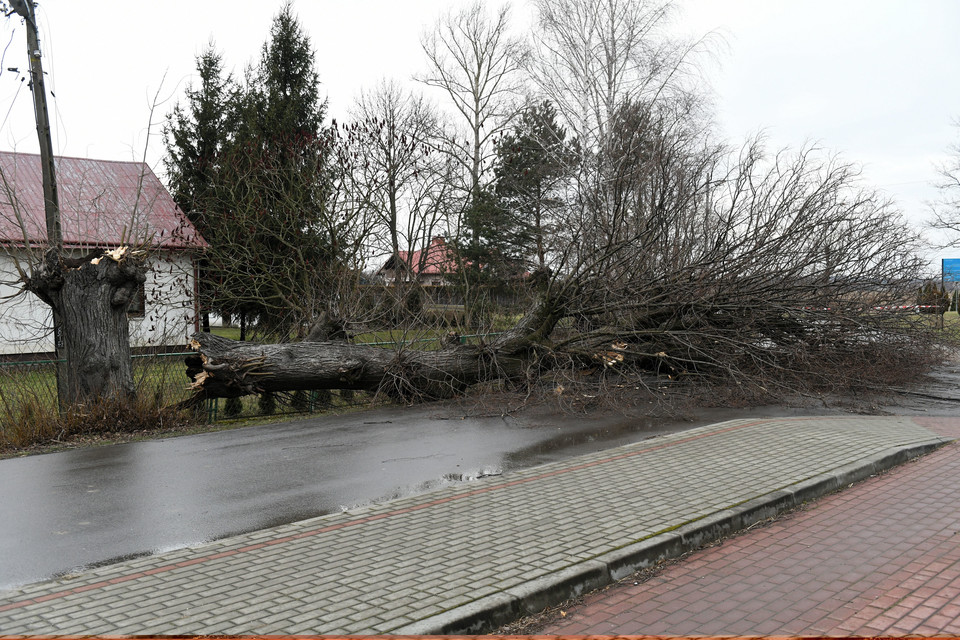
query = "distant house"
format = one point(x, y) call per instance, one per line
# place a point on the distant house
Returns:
point(103, 204)
point(428, 266)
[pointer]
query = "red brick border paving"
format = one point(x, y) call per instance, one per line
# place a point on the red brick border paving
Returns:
point(419, 637)
point(880, 558)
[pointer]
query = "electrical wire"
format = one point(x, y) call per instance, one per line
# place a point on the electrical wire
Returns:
point(12, 103)
point(3, 68)
point(61, 129)
point(4, 56)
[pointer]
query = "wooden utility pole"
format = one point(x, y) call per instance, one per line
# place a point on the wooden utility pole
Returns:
point(51, 199)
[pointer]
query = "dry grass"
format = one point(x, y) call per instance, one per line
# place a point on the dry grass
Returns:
point(29, 414)
point(35, 422)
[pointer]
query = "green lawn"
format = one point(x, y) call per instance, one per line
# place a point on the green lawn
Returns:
point(419, 338)
point(233, 333)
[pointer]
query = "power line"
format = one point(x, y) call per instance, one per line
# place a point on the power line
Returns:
point(12, 103)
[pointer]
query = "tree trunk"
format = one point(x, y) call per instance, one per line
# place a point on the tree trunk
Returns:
point(227, 368)
point(90, 297)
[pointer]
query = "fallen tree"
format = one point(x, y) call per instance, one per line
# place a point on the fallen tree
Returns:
point(767, 278)
point(228, 368)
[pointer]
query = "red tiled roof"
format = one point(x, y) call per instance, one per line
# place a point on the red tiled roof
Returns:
point(439, 259)
point(98, 203)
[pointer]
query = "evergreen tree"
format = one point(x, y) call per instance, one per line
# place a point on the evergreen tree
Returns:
point(490, 247)
point(286, 86)
point(532, 160)
point(508, 228)
point(278, 180)
point(251, 165)
point(933, 298)
point(196, 135)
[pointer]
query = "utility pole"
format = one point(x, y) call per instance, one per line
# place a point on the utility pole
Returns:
point(51, 199)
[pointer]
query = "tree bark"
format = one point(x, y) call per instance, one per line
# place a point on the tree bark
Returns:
point(90, 297)
point(226, 368)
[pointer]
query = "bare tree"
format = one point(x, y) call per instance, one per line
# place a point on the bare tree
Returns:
point(620, 84)
point(946, 210)
point(394, 139)
point(474, 60)
point(590, 57)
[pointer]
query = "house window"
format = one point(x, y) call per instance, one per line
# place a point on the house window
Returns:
point(138, 302)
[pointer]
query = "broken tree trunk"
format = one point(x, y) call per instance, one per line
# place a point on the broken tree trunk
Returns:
point(90, 297)
point(227, 368)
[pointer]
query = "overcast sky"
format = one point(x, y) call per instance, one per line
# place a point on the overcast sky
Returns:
point(877, 81)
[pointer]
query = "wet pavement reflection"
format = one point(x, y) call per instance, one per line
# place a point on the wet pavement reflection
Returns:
point(63, 511)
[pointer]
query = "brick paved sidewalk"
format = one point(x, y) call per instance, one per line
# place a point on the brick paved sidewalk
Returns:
point(879, 559)
point(469, 555)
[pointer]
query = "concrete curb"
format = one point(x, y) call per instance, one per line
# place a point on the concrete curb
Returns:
point(488, 613)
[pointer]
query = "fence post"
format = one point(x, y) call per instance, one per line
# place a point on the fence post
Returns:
point(212, 407)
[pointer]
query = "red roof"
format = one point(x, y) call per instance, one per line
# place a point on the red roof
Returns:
point(99, 204)
point(439, 259)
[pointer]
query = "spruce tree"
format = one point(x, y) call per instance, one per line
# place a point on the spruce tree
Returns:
point(286, 86)
point(274, 188)
point(196, 134)
point(532, 160)
point(508, 227)
point(489, 248)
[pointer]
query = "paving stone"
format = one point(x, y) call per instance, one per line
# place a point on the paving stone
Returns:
point(816, 572)
point(382, 566)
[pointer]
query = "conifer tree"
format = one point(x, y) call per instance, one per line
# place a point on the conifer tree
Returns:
point(532, 161)
point(196, 135)
point(277, 246)
point(286, 87)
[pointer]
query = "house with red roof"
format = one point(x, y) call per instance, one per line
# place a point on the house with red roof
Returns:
point(428, 266)
point(104, 204)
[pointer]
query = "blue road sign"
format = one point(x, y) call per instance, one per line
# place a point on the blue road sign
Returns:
point(951, 269)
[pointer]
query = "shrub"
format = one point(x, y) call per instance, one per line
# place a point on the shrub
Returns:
point(933, 298)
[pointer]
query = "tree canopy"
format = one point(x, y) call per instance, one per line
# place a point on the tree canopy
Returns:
point(579, 174)
point(250, 163)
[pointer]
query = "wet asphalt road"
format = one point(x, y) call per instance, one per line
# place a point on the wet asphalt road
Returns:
point(63, 511)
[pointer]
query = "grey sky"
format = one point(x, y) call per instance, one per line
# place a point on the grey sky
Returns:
point(873, 80)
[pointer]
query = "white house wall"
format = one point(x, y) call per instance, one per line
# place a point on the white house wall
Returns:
point(24, 320)
point(168, 319)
